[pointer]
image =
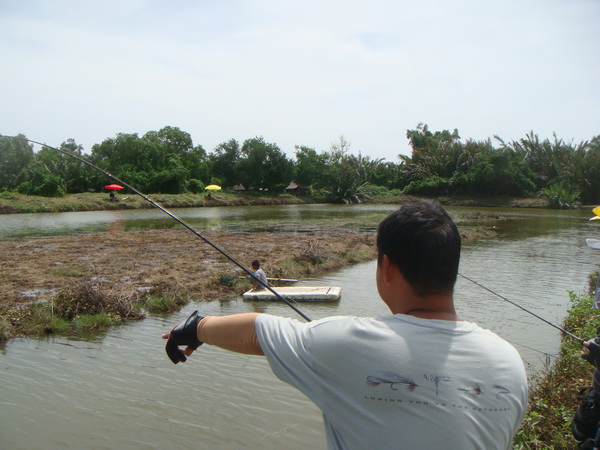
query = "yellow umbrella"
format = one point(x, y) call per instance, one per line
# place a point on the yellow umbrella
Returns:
point(213, 187)
point(596, 211)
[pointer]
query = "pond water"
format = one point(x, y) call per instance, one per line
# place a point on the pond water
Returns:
point(118, 389)
point(23, 225)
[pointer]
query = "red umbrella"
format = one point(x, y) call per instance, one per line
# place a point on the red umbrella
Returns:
point(115, 187)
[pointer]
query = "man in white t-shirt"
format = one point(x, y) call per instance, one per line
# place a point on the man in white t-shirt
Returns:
point(417, 378)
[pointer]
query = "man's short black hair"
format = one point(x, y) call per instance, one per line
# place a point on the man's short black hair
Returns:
point(423, 242)
point(256, 263)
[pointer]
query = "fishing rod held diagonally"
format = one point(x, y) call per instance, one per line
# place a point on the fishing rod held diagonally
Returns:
point(173, 216)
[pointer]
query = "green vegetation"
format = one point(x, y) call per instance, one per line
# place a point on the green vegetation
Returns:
point(166, 303)
point(11, 202)
point(553, 396)
point(83, 307)
point(441, 164)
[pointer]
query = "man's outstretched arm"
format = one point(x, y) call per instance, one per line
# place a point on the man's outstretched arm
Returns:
point(236, 333)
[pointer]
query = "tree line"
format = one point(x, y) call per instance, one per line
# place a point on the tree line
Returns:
point(166, 161)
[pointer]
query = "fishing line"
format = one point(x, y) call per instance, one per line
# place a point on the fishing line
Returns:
point(173, 216)
point(521, 307)
point(547, 355)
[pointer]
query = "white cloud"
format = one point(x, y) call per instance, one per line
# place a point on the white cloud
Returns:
point(299, 73)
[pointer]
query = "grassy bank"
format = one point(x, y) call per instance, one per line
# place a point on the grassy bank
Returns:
point(553, 395)
point(12, 203)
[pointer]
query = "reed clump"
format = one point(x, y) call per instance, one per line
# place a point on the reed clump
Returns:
point(164, 297)
point(89, 298)
point(312, 253)
point(84, 306)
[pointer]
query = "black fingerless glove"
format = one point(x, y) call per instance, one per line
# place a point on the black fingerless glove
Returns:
point(186, 333)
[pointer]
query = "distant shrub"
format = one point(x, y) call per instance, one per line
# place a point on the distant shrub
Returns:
point(429, 186)
point(195, 186)
point(379, 190)
point(43, 184)
point(559, 197)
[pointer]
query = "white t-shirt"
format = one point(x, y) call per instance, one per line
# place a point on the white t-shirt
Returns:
point(401, 382)
point(260, 275)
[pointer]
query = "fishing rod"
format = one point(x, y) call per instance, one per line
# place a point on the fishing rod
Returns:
point(173, 216)
point(522, 308)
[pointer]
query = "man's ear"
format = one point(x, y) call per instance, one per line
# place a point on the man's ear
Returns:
point(387, 268)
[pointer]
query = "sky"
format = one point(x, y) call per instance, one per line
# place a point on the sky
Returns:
point(300, 72)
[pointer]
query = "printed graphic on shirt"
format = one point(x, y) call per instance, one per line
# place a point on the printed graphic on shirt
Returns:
point(441, 383)
point(501, 390)
point(471, 390)
point(392, 379)
point(436, 379)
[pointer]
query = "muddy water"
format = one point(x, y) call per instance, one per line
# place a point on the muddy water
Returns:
point(118, 390)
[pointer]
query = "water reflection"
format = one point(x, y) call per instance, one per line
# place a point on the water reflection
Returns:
point(15, 225)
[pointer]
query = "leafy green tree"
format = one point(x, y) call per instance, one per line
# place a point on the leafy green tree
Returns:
point(160, 161)
point(560, 167)
point(309, 166)
point(435, 158)
point(171, 140)
point(264, 166)
point(430, 185)
point(223, 161)
point(439, 153)
point(126, 153)
point(494, 172)
point(16, 159)
point(545, 158)
point(587, 173)
point(43, 183)
point(198, 164)
point(172, 179)
point(196, 186)
point(76, 176)
point(346, 177)
point(441, 164)
point(388, 175)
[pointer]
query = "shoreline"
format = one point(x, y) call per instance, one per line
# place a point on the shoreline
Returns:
point(14, 203)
